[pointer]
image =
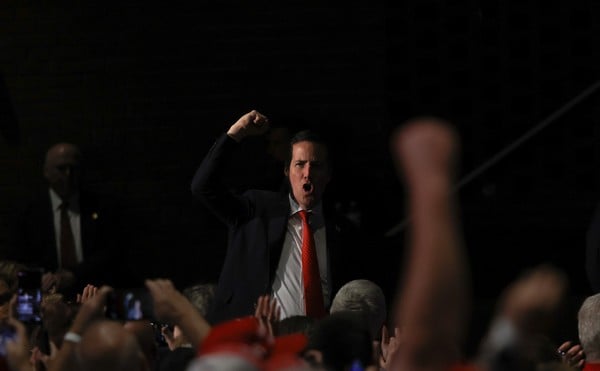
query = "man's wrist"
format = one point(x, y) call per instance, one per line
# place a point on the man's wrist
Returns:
point(235, 135)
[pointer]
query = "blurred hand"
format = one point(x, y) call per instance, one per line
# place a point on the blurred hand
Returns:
point(572, 354)
point(170, 306)
point(90, 310)
point(532, 301)
point(89, 291)
point(17, 351)
point(268, 313)
point(389, 347)
point(173, 337)
point(424, 149)
point(167, 300)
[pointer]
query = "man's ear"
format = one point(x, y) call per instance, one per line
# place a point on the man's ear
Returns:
point(286, 171)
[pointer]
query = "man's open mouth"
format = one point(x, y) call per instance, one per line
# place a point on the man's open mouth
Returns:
point(308, 187)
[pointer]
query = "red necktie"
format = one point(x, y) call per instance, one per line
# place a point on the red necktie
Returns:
point(313, 294)
point(68, 259)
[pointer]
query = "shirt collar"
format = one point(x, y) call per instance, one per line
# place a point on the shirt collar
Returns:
point(316, 211)
point(56, 201)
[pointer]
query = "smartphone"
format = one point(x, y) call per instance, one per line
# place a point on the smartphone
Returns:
point(129, 305)
point(29, 295)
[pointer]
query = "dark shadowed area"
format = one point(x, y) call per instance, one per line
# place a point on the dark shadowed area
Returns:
point(145, 89)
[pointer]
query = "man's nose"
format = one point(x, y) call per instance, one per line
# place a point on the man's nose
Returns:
point(307, 171)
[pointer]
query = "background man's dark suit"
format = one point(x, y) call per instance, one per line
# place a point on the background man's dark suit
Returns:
point(34, 240)
point(257, 222)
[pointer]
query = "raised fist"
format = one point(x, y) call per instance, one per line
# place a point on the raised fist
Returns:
point(252, 123)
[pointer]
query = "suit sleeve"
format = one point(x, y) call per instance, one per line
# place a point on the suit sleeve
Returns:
point(207, 185)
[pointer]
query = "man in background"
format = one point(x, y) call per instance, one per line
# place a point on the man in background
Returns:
point(65, 229)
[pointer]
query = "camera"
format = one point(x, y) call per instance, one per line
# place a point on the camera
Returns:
point(29, 295)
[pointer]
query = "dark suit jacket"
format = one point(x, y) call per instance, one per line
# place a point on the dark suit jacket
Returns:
point(34, 240)
point(257, 222)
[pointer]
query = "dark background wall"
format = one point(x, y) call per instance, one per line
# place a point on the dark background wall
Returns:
point(145, 89)
point(497, 69)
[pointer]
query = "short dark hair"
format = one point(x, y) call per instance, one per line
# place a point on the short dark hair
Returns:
point(296, 324)
point(306, 136)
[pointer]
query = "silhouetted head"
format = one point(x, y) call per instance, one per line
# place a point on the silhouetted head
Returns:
point(62, 169)
point(145, 334)
point(106, 345)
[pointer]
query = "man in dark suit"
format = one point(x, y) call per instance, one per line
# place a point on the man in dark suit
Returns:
point(271, 233)
point(65, 230)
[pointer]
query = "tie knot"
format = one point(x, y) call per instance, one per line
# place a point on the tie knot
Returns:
point(303, 215)
point(64, 205)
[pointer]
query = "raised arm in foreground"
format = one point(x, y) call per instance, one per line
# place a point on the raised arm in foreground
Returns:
point(433, 301)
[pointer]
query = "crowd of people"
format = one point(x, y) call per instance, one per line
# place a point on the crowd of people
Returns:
point(286, 298)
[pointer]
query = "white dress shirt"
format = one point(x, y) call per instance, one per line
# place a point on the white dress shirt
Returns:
point(288, 287)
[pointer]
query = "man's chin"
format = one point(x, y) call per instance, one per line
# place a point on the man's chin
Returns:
point(309, 201)
point(65, 194)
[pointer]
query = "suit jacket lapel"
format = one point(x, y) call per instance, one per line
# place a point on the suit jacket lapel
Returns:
point(334, 251)
point(276, 234)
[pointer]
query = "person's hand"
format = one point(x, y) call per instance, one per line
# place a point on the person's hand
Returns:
point(88, 292)
point(169, 336)
point(17, 350)
point(268, 313)
point(532, 301)
point(173, 338)
point(252, 123)
point(572, 354)
point(90, 310)
point(389, 346)
point(170, 306)
point(167, 300)
point(424, 150)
